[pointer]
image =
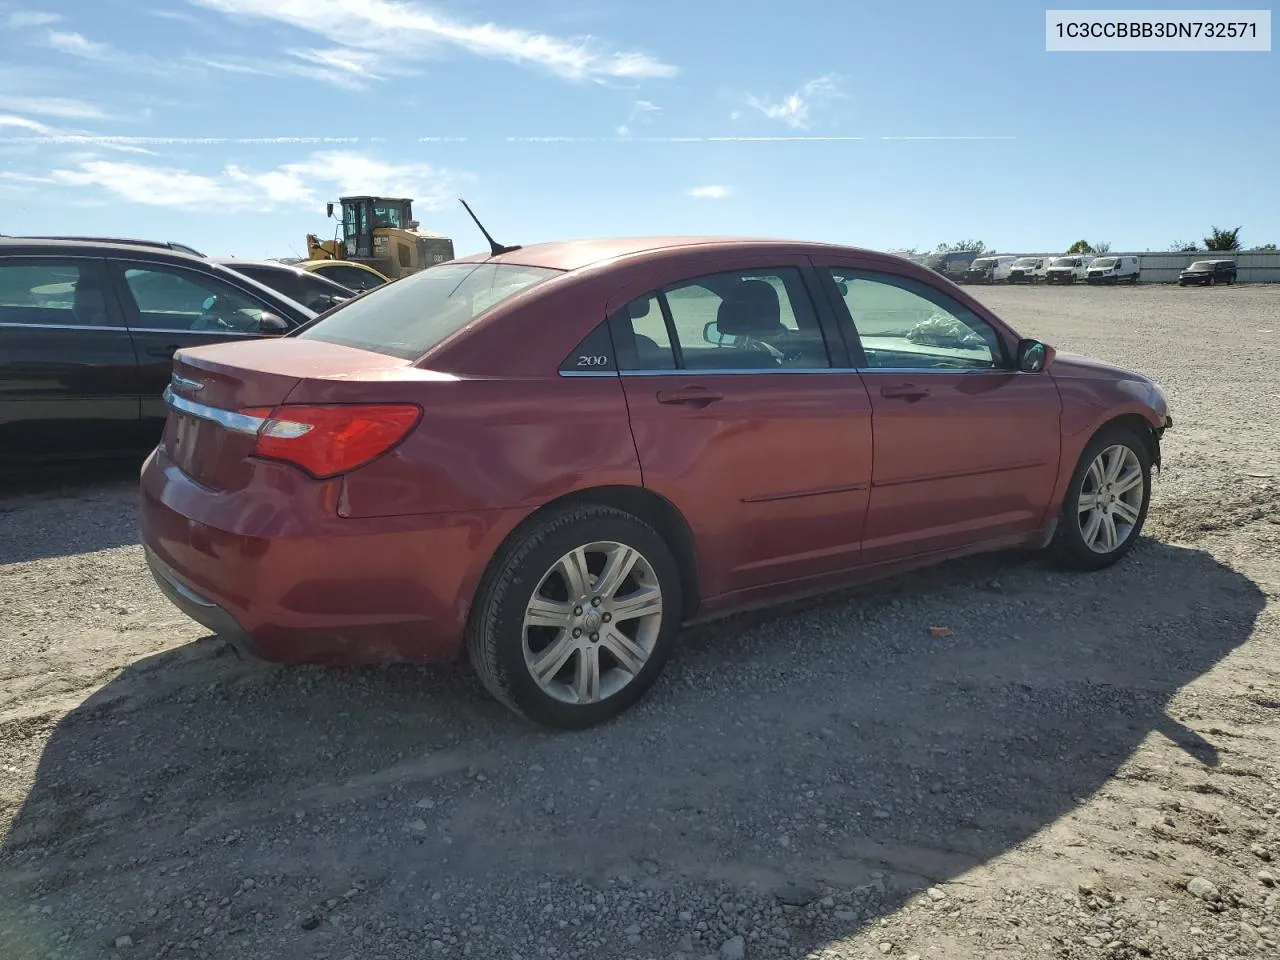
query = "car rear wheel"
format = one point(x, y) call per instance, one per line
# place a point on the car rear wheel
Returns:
point(1106, 503)
point(577, 617)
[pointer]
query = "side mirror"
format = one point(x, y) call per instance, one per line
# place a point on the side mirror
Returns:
point(328, 209)
point(270, 324)
point(711, 333)
point(1034, 356)
point(843, 287)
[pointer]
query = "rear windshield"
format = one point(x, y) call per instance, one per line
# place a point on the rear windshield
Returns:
point(408, 317)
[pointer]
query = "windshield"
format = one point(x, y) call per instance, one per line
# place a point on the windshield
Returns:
point(387, 215)
point(983, 264)
point(407, 318)
point(1104, 263)
point(1201, 265)
point(1065, 262)
point(1027, 262)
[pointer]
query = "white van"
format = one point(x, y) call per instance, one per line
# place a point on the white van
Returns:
point(1028, 269)
point(989, 270)
point(1068, 269)
point(1112, 270)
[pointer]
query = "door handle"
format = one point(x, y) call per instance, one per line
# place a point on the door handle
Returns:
point(696, 396)
point(168, 351)
point(905, 391)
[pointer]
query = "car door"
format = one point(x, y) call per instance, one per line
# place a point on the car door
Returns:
point(741, 419)
point(966, 446)
point(66, 361)
point(169, 306)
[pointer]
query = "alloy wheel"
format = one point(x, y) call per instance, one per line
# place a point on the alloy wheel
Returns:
point(592, 622)
point(1110, 500)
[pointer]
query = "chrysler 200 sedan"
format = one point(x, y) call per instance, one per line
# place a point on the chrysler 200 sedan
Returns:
point(550, 459)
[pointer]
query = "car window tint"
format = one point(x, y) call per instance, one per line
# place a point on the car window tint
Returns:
point(170, 299)
point(737, 320)
point(315, 294)
point(281, 281)
point(351, 277)
point(52, 293)
point(407, 318)
point(643, 340)
point(905, 324)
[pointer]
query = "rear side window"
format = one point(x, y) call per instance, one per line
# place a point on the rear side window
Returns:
point(407, 318)
point(52, 293)
point(741, 320)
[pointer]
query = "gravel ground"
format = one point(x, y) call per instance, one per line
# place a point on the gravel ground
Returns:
point(1085, 767)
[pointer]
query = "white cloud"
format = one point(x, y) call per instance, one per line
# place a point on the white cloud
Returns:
point(322, 176)
point(61, 107)
point(24, 123)
point(386, 33)
point(77, 45)
point(794, 109)
point(712, 191)
point(21, 19)
point(642, 112)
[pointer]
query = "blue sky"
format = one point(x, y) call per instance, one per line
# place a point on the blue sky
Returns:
point(206, 121)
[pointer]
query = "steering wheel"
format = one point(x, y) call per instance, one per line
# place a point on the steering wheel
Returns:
point(760, 346)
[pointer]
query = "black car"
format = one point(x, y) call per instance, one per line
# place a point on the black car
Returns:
point(312, 291)
point(87, 337)
point(1208, 272)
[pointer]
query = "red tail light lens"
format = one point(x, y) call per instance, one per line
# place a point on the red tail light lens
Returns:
point(331, 439)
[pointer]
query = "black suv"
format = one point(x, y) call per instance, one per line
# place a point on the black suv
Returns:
point(1208, 272)
point(87, 337)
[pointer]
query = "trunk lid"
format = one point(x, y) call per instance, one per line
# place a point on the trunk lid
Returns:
point(208, 435)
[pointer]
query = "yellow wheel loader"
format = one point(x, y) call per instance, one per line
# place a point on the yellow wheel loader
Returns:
point(380, 232)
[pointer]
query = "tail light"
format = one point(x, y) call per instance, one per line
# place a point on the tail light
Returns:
point(331, 439)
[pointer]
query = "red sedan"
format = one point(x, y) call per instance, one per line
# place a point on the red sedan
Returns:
point(551, 458)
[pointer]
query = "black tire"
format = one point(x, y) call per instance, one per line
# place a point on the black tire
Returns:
point(1068, 547)
point(495, 633)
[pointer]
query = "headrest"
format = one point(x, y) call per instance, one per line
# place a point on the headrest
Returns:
point(750, 309)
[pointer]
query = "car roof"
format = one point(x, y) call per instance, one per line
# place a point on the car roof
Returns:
point(577, 254)
point(245, 262)
point(325, 264)
point(47, 246)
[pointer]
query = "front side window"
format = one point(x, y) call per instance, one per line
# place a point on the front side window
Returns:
point(739, 320)
point(52, 293)
point(175, 299)
point(905, 324)
point(407, 318)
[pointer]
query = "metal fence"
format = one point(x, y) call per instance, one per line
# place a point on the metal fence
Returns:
point(1262, 266)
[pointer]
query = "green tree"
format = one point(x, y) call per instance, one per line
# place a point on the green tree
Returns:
point(1266, 248)
point(977, 246)
point(1223, 239)
point(1183, 246)
point(1080, 246)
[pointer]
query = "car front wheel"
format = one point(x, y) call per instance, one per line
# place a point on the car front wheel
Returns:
point(1106, 503)
point(577, 617)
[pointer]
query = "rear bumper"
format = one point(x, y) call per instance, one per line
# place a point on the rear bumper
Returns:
point(278, 571)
